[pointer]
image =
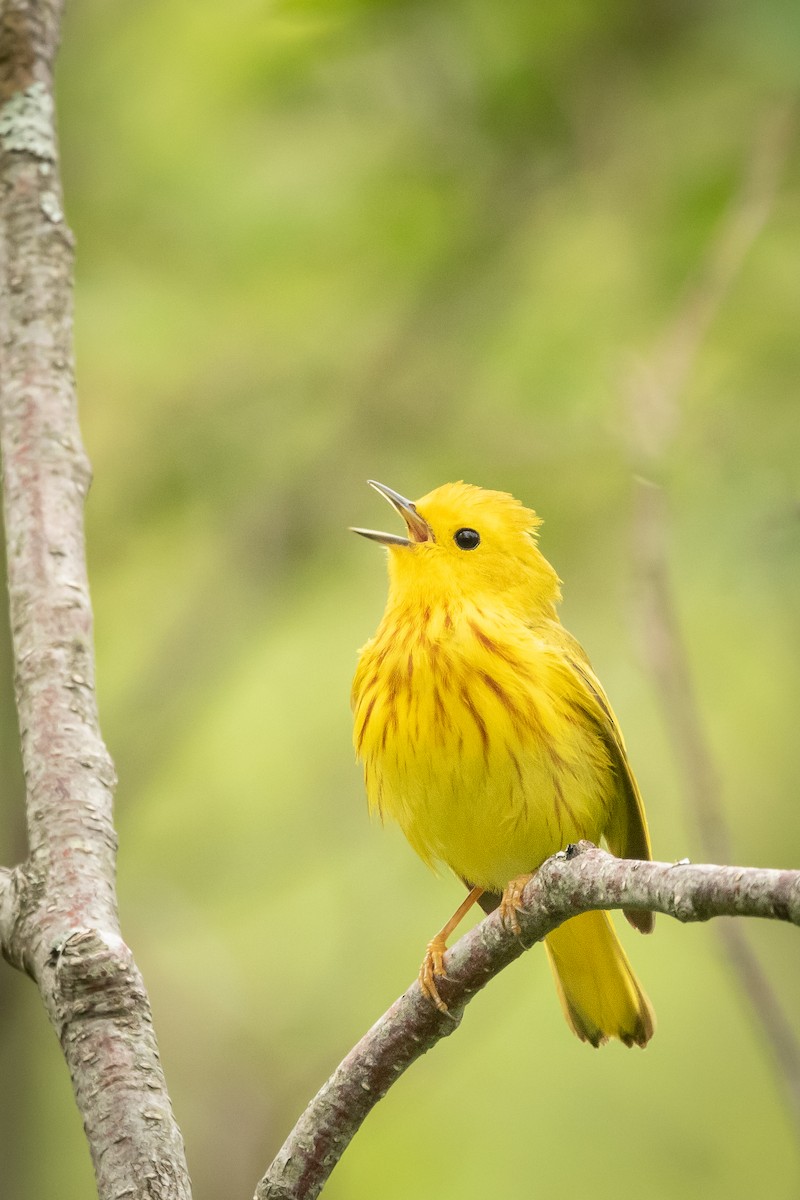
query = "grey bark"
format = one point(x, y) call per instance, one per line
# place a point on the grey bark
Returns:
point(58, 911)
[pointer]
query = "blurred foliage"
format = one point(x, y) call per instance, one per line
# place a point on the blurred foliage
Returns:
point(320, 242)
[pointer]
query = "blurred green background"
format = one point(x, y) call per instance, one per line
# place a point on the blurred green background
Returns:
point(320, 242)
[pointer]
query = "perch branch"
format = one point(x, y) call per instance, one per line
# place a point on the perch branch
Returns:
point(58, 912)
point(573, 882)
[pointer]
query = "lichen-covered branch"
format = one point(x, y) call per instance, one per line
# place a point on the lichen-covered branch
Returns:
point(581, 879)
point(58, 914)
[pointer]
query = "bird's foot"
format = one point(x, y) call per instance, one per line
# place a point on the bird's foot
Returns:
point(433, 962)
point(433, 968)
point(510, 902)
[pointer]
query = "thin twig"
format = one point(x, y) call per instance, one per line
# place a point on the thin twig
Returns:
point(58, 912)
point(581, 879)
point(655, 396)
point(666, 653)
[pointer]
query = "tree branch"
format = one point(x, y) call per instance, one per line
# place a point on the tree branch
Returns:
point(7, 904)
point(573, 882)
point(58, 912)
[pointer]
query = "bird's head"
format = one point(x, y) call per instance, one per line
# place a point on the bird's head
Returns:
point(465, 543)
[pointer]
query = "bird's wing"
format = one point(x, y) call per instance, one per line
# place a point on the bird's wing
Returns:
point(627, 835)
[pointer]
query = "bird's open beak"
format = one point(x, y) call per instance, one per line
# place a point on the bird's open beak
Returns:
point(418, 528)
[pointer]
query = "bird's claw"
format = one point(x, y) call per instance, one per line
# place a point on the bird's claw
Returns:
point(511, 903)
point(432, 969)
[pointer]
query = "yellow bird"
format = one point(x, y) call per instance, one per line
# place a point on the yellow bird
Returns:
point(486, 735)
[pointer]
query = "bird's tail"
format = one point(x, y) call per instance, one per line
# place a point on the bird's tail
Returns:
point(600, 995)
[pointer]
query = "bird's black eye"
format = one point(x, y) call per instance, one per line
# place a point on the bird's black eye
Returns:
point(467, 539)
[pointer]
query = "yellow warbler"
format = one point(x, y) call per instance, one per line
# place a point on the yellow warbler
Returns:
point(486, 735)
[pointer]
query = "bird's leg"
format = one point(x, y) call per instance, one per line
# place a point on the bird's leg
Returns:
point(510, 902)
point(433, 962)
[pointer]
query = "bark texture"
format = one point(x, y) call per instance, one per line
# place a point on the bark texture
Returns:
point(58, 912)
point(575, 881)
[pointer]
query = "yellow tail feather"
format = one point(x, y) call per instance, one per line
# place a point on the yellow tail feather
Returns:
point(600, 994)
